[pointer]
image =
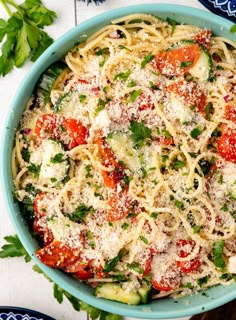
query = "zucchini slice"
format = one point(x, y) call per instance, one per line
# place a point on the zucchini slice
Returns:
point(54, 165)
point(145, 293)
point(49, 79)
point(123, 147)
point(114, 291)
point(203, 67)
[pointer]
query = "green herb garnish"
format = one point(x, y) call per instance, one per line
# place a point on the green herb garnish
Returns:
point(217, 251)
point(22, 34)
point(140, 133)
point(148, 58)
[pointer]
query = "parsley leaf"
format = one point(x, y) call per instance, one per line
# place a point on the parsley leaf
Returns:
point(14, 248)
point(35, 169)
point(233, 28)
point(139, 133)
point(196, 132)
point(148, 58)
point(22, 33)
point(81, 212)
point(217, 251)
point(112, 263)
point(58, 158)
point(172, 23)
point(123, 75)
point(135, 94)
point(185, 64)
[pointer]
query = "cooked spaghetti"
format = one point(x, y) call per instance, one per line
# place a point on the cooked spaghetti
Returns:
point(125, 160)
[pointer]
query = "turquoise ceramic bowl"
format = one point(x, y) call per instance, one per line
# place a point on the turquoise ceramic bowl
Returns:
point(164, 308)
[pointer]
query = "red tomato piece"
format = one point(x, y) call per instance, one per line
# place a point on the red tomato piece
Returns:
point(81, 269)
point(184, 247)
point(204, 38)
point(112, 178)
point(189, 266)
point(226, 145)
point(107, 154)
point(164, 141)
point(147, 266)
point(76, 133)
point(168, 282)
point(57, 255)
point(120, 206)
point(177, 61)
point(191, 94)
point(40, 225)
point(47, 126)
point(39, 205)
point(230, 113)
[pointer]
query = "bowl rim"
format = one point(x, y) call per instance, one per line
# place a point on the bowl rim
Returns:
point(145, 311)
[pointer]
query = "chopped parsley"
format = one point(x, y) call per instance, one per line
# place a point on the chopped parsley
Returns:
point(123, 75)
point(140, 133)
point(178, 164)
point(148, 58)
point(135, 266)
point(35, 169)
point(121, 46)
point(58, 158)
point(81, 213)
point(82, 98)
point(101, 105)
point(125, 225)
point(145, 240)
point(179, 204)
point(135, 94)
point(217, 251)
point(185, 64)
point(196, 132)
point(197, 229)
point(112, 263)
point(208, 110)
point(88, 169)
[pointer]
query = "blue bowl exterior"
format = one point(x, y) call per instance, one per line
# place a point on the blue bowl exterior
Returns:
point(165, 308)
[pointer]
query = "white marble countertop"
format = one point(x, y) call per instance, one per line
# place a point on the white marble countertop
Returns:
point(19, 285)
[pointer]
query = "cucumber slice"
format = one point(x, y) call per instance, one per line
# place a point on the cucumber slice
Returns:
point(145, 294)
point(48, 79)
point(123, 148)
point(203, 67)
point(66, 102)
point(114, 291)
point(54, 165)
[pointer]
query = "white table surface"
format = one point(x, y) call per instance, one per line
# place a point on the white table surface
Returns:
point(19, 285)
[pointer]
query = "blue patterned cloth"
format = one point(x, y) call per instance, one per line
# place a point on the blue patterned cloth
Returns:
point(224, 8)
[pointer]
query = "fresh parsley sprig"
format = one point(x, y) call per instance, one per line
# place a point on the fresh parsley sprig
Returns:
point(14, 248)
point(22, 35)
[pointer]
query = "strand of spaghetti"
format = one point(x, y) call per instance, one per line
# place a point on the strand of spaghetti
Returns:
point(207, 134)
point(46, 189)
point(18, 146)
point(141, 16)
point(13, 163)
point(18, 177)
point(225, 40)
point(211, 211)
point(222, 43)
point(147, 29)
point(195, 163)
point(97, 37)
point(138, 232)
